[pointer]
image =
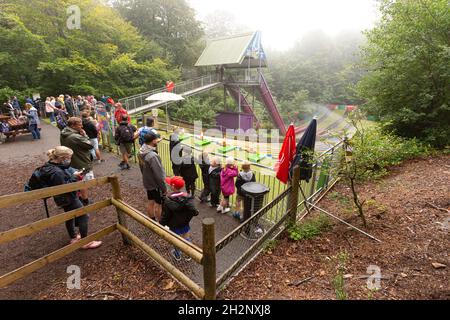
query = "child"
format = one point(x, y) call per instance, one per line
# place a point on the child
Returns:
point(178, 212)
point(246, 175)
point(188, 171)
point(214, 181)
point(227, 184)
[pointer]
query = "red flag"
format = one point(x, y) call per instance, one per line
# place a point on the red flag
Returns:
point(286, 155)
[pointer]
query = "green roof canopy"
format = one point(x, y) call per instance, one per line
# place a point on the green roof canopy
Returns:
point(239, 51)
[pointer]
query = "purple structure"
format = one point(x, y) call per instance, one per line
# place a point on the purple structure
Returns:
point(234, 120)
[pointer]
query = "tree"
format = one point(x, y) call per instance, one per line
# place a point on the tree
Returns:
point(20, 53)
point(368, 155)
point(408, 56)
point(106, 55)
point(221, 23)
point(170, 23)
point(327, 67)
point(297, 108)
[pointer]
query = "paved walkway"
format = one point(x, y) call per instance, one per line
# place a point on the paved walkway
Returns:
point(24, 146)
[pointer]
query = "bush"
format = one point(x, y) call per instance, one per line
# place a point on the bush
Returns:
point(374, 151)
point(309, 229)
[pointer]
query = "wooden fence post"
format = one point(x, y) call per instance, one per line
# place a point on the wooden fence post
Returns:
point(313, 178)
point(120, 214)
point(293, 198)
point(209, 259)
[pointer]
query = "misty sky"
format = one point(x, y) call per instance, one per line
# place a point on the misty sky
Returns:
point(283, 22)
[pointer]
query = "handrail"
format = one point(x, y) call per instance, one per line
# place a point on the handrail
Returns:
point(11, 199)
point(188, 248)
point(55, 255)
point(34, 227)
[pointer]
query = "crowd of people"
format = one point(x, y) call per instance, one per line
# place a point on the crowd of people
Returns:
point(169, 199)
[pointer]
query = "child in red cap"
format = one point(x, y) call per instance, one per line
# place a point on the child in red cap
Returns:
point(178, 211)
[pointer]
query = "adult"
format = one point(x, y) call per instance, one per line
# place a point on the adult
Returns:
point(145, 129)
point(189, 171)
point(74, 137)
point(79, 103)
point(175, 151)
point(16, 106)
point(203, 162)
point(68, 102)
point(33, 121)
point(49, 109)
point(120, 112)
point(153, 175)
point(124, 137)
point(56, 172)
point(8, 109)
point(92, 132)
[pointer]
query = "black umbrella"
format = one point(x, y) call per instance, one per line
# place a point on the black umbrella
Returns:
point(305, 151)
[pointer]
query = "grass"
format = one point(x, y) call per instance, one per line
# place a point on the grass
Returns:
point(338, 281)
point(309, 229)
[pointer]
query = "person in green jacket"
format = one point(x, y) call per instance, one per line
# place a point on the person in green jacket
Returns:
point(74, 137)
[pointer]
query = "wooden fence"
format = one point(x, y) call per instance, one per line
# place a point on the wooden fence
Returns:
point(205, 257)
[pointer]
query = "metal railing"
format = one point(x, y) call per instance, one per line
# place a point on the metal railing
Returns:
point(186, 88)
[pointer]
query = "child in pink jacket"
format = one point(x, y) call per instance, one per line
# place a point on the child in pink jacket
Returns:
point(227, 184)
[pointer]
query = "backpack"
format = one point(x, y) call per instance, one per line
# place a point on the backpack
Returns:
point(4, 127)
point(144, 131)
point(35, 182)
point(61, 121)
point(126, 134)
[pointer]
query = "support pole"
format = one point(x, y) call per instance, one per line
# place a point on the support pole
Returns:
point(293, 198)
point(344, 222)
point(120, 214)
point(209, 259)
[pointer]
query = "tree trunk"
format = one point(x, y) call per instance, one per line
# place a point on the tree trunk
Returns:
point(357, 203)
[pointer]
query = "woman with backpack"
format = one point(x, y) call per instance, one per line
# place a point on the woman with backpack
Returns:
point(56, 172)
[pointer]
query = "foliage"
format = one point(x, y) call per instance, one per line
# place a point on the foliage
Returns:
point(270, 245)
point(319, 64)
point(309, 229)
point(297, 108)
point(370, 153)
point(338, 281)
point(106, 55)
point(195, 109)
point(170, 23)
point(373, 151)
point(222, 23)
point(408, 57)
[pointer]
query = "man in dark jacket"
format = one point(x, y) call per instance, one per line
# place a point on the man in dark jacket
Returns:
point(214, 181)
point(153, 175)
point(68, 102)
point(74, 137)
point(203, 163)
point(188, 171)
point(125, 140)
point(175, 151)
point(178, 211)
